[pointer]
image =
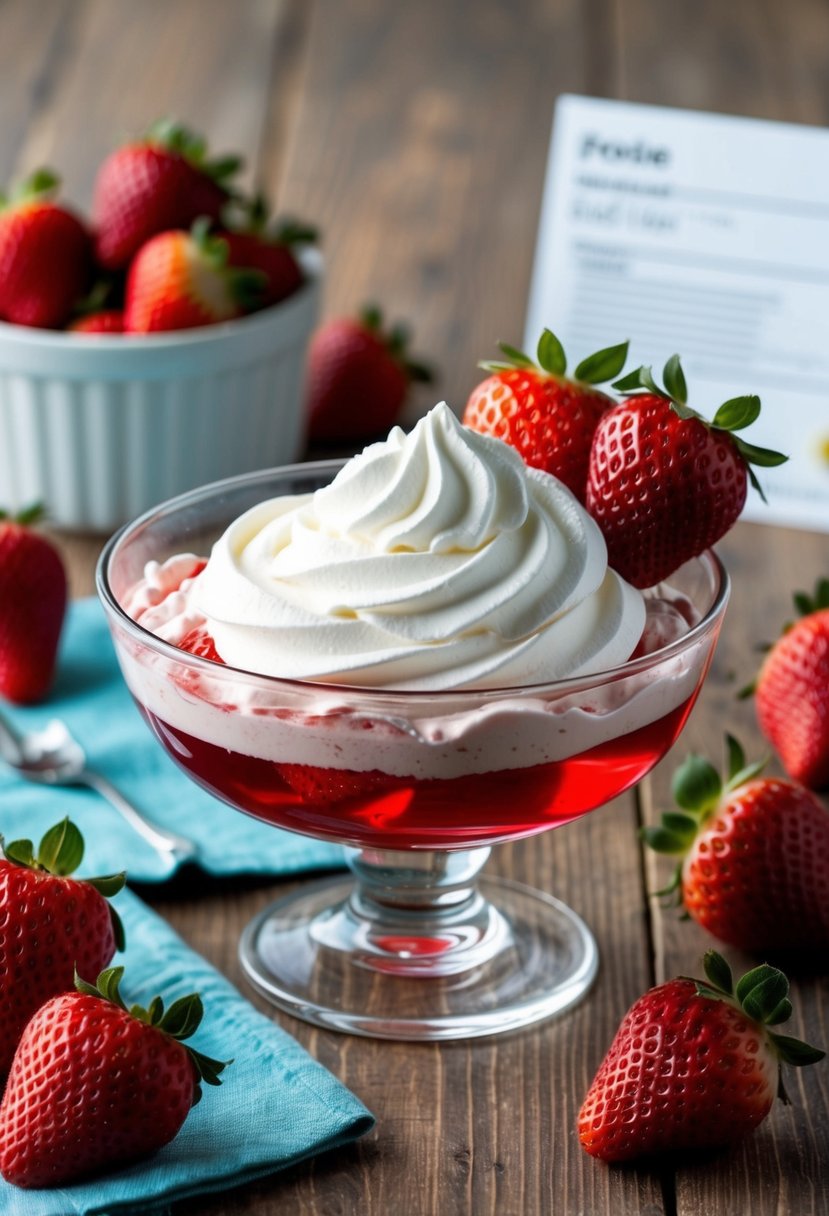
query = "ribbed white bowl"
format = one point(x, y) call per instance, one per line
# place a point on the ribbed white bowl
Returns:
point(100, 428)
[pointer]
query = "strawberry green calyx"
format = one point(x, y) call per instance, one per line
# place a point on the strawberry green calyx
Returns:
point(40, 186)
point(33, 514)
point(396, 341)
point(252, 216)
point(733, 415)
point(807, 604)
point(175, 137)
point(59, 853)
point(550, 358)
point(246, 285)
point(698, 790)
point(762, 994)
point(180, 1021)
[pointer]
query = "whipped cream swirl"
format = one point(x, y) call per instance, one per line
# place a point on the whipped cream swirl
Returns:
point(434, 560)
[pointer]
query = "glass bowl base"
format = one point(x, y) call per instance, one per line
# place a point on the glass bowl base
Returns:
point(510, 956)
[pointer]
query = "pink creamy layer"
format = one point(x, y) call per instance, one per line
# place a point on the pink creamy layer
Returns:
point(316, 725)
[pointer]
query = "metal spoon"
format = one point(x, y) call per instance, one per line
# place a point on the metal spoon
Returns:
point(53, 757)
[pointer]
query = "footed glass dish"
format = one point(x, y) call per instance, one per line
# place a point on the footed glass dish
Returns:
point(418, 786)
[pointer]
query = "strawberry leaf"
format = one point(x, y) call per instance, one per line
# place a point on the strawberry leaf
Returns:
point(696, 785)
point(736, 756)
point(765, 996)
point(109, 884)
point(781, 1013)
point(763, 457)
point(663, 840)
point(119, 933)
point(794, 1052)
point(737, 413)
point(515, 355)
point(20, 851)
point(802, 602)
point(718, 972)
point(207, 1068)
point(674, 379)
point(183, 1017)
point(61, 849)
point(603, 366)
point(631, 383)
point(550, 354)
point(495, 365)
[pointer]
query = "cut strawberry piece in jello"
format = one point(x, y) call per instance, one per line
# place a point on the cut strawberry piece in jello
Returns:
point(200, 643)
point(324, 786)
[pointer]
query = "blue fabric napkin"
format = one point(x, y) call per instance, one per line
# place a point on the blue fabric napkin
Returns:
point(91, 697)
point(275, 1106)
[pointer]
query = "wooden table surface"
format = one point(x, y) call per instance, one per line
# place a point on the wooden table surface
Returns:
point(415, 134)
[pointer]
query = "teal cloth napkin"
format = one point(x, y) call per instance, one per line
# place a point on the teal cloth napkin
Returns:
point(91, 697)
point(275, 1106)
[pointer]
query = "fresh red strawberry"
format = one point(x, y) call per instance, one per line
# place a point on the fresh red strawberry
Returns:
point(275, 259)
point(45, 255)
point(326, 786)
point(181, 280)
point(272, 249)
point(94, 1086)
point(108, 321)
point(792, 693)
point(199, 642)
point(664, 484)
point(548, 417)
point(754, 867)
point(693, 1065)
point(358, 377)
point(158, 183)
point(49, 925)
point(33, 596)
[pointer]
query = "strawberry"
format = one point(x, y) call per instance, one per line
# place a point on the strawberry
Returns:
point(693, 1065)
point(108, 321)
point(162, 181)
point(33, 596)
point(548, 417)
point(327, 786)
point(181, 280)
point(94, 1086)
point(358, 376)
point(252, 243)
point(45, 255)
point(754, 867)
point(199, 642)
point(792, 692)
point(49, 925)
point(663, 483)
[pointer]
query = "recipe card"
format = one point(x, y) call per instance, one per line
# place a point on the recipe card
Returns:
point(707, 236)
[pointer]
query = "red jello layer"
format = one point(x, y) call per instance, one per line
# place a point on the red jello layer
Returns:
point(374, 809)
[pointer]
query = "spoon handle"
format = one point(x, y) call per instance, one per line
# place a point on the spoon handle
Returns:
point(11, 748)
point(169, 844)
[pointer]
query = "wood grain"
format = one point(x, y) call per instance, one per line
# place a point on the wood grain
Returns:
point(416, 135)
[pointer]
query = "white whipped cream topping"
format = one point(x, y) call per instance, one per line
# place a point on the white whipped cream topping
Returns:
point(433, 560)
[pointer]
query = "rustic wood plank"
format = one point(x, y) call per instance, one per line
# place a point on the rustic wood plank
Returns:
point(420, 148)
point(763, 60)
point(779, 1168)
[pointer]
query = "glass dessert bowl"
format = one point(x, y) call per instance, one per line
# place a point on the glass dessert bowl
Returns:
point(417, 784)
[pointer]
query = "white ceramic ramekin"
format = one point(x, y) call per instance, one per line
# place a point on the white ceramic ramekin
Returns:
point(100, 428)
